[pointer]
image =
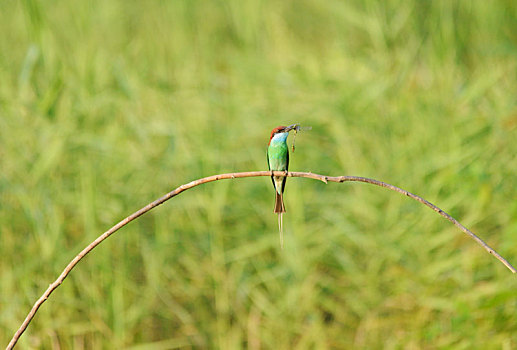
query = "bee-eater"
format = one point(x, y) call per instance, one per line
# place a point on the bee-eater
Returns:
point(278, 160)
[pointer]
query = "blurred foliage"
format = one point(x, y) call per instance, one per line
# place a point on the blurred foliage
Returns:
point(106, 105)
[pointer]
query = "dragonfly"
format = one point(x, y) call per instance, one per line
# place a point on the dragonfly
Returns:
point(296, 128)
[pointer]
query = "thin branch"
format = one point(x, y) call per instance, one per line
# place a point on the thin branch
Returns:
point(195, 183)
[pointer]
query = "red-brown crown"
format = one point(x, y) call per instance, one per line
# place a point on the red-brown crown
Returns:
point(274, 131)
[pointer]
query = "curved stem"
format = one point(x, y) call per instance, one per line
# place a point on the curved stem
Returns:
point(195, 183)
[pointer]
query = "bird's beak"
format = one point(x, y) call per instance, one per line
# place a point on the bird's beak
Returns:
point(290, 127)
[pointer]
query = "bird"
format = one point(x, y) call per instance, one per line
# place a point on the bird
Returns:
point(278, 160)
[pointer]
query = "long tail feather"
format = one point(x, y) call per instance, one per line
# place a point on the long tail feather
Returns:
point(281, 230)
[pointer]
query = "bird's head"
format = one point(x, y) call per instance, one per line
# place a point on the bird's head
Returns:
point(280, 130)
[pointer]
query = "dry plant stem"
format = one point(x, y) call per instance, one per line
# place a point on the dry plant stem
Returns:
point(195, 183)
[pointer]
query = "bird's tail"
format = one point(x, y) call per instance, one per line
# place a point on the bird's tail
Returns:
point(281, 230)
point(280, 210)
point(279, 203)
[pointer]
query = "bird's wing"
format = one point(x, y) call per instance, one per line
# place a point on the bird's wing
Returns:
point(286, 169)
point(269, 167)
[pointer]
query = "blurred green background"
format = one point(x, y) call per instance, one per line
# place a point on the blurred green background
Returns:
point(107, 105)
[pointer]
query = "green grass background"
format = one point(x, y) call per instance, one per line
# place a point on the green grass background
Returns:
point(107, 105)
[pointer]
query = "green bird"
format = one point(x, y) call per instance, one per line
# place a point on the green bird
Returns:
point(278, 160)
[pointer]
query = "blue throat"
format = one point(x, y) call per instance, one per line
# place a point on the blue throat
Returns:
point(280, 138)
